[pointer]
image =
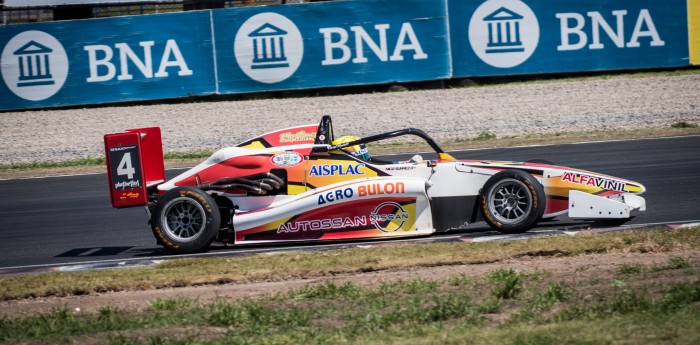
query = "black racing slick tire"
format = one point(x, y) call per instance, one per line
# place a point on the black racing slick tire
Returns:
point(512, 201)
point(185, 220)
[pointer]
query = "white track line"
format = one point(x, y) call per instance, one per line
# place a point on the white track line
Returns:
point(269, 250)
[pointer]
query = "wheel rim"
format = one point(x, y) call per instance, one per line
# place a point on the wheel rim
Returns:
point(183, 219)
point(510, 201)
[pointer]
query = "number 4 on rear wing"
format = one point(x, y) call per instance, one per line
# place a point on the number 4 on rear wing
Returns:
point(134, 163)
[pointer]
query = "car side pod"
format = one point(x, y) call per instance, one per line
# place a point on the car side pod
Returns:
point(585, 205)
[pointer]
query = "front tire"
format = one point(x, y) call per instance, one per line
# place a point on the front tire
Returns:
point(185, 220)
point(512, 201)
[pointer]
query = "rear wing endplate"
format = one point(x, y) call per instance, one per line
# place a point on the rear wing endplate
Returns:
point(134, 163)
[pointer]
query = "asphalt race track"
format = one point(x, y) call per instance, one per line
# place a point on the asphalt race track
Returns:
point(60, 220)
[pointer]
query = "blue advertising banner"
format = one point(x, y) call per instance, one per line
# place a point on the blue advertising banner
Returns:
point(499, 37)
point(106, 60)
point(331, 44)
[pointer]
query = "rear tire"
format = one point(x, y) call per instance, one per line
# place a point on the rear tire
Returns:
point(512, 201)
point(185, 220)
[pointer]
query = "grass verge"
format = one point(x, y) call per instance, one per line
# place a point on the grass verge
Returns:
point(97, 161)
point(656, 308)
point(195, 272)
point(483, 140)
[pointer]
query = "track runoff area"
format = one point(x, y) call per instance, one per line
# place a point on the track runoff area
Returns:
point(669, 206)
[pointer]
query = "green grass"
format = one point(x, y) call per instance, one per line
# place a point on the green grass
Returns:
point(683, 124)
point(195, 272)
point(630, 269)
point(90, 161)
point(96, 161)
point(656, 304)
point(673, 263)
point(417, 311)
point(172, 304)
point(507, 283)
point(485, 136)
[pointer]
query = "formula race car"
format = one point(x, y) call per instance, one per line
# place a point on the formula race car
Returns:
point(303, 184)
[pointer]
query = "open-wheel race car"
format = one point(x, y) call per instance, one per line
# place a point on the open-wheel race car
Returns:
point(303, 184)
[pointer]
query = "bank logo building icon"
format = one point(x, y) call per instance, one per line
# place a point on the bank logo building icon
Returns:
point(268, 47)
point(504, 33)
point(34, 65)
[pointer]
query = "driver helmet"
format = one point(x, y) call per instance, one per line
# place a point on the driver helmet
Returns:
point(358, 151)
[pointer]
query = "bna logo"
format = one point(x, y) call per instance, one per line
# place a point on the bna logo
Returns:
point(268, 47)
point(34, 65)
point(504, 33)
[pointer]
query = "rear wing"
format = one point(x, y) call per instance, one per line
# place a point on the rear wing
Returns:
point(134, 163)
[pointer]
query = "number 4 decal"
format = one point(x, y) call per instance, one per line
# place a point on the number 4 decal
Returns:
point(126, 167)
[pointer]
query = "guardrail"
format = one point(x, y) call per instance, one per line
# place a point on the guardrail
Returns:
point(330, 44)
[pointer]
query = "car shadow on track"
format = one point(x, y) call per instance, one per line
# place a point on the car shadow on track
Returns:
point(474, 232)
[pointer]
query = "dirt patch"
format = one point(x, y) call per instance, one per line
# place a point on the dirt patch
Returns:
point(565, 269)
point(142, 336)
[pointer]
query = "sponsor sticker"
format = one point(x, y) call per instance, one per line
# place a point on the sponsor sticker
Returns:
point(126, 170)
point(336, 170)
point(287, 159)
point(322, 224)
point(381, 188)
point(130, 195)
point(593, 181)
point(399, 168)
point(389, 216)
point(289, 137)
point(338, 194)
